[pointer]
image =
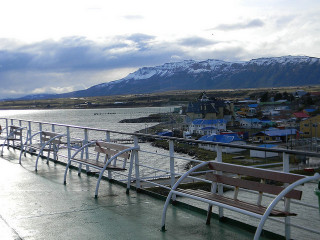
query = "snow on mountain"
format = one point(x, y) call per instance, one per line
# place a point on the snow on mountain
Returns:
point(212, 74)
point(208, 66)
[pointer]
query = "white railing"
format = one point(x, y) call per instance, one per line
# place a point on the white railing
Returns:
point(155, 167)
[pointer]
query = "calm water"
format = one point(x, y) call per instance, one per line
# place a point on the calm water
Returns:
point(107, 118)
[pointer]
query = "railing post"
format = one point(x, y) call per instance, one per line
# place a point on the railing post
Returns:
point(172, 172)
point(86, 140)
point(53, 128)
point(11, 121)
point(68, 143)
point(220, 186)
point(108, 139)
point(286, 168)
point(136, 165)
point(29, 131)
point(286, 165)
point(7, 127)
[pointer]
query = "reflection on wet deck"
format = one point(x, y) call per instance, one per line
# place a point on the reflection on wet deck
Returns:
point(39, 206)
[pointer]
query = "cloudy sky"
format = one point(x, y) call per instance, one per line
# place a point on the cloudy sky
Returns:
point(56, 46)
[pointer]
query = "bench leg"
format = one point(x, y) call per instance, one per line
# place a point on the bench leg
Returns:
point(2, 148)
point(79, 169)
point(98, 184)
point(65, 173)
point(36, 166)
point(130, 173)
point(209, 213)
point(164, 212)
point(21, 152)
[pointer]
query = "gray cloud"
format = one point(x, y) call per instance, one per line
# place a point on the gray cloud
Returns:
point(196, 42)
point(238, 26)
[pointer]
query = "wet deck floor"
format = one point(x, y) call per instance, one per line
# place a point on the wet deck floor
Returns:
point(39, 206)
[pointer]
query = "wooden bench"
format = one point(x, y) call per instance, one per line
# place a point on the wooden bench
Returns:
point(239, 177)
point(106, 157)
point(15, 133)
point(42, 141)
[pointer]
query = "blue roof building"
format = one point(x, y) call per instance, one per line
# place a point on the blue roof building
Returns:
point(223, 138)
point(207, 127)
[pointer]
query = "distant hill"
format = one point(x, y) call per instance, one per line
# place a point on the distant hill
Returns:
point(210, 74)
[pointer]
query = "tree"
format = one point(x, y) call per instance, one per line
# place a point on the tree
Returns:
point(264, 97)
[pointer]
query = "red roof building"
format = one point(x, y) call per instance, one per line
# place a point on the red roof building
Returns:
point(300, 115)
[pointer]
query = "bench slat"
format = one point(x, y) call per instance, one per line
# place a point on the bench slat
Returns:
point(111, 152)
point(255, 172)
point(111, 145)
point(256, 186)
point(235, 203)
point(98, 164)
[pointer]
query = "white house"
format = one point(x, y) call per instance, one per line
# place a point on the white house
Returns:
point(207, 127)
point(249, 123)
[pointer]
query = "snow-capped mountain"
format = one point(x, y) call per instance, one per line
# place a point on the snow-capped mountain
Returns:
point(212, 74)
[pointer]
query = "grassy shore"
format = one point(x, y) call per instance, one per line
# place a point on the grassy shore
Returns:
point(143, 100)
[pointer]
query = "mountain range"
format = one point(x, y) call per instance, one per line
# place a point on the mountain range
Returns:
point(210, 74)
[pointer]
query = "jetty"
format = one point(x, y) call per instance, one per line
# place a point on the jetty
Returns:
point(57, 191)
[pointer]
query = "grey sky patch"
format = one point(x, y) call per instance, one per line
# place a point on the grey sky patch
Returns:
point(238, 26)
point(133, 17)
point(196, 42)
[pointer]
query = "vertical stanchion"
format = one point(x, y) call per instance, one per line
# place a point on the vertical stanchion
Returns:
point(286, 168)
point(68, 143)
point(136, 166)
point(108, 139)
point(220, 186)
point(29, 132)
point(86, 140)
point(7, 127)
point(172, 171)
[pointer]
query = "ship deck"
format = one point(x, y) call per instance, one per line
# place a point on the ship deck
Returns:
point(37, 205)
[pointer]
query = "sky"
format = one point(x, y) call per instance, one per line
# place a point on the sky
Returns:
point(57, 46)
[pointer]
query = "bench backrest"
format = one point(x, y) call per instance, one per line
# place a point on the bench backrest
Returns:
point(111, 149)
point(16, 132)
point(268, 178)
point(46, 136)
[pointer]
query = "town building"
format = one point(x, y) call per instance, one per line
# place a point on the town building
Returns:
point(310, 127)
point(273, 135)
point(224, 138)
point(207, 127)
point(205, 108)
point(264, 154)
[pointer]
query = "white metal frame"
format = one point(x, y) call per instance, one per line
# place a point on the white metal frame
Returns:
point(221, 206)
point(48, 143)
point(133, 157)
